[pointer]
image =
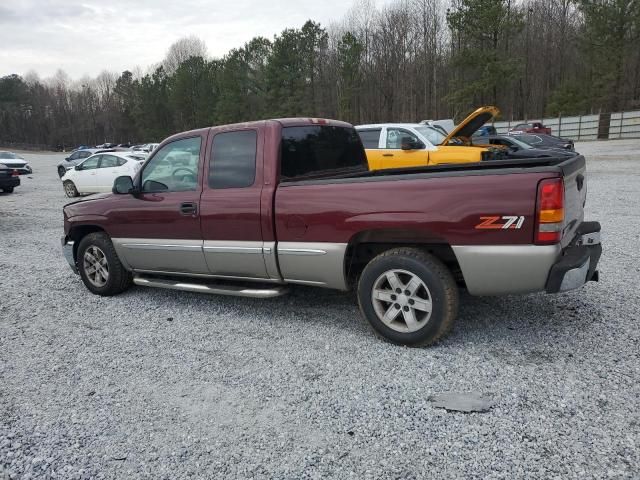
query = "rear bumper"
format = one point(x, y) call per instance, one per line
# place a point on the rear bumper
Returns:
point(579, 261)
point(512, 269)
point(67, 251)
point(6, 182)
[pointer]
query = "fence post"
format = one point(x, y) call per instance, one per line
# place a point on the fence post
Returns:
point(559, 124)
point(579, 126)
point(620, 129)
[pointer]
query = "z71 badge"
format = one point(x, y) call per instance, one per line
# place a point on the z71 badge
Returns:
point(504, 222)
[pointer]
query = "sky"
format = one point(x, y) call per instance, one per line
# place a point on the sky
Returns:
point(85, 37)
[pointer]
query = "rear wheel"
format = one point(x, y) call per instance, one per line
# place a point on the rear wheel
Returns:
point(99, 266)
point(8, 189)
point(61, 171)
point(408, 297)
point(70, 189)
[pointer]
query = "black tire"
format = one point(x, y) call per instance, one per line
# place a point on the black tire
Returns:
point(8, 189)
point(438, 287)
point(61, 171)
point(118, 278)
point(70, 189)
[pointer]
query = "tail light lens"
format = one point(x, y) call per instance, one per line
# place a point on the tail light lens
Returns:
point(15, 173)
point(550, 211)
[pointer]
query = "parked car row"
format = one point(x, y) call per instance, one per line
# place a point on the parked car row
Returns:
point(401, 145)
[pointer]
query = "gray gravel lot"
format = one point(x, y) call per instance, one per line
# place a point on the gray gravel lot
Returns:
point(163, 384)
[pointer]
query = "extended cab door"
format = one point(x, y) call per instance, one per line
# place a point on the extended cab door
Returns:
point(231, 205)
point(391, 154)
point(158, 230)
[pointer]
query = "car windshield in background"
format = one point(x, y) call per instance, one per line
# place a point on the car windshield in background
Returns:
point(521, 144)
point(434, 136)
point(8, 155)
point(318, 150)
point(530, 139)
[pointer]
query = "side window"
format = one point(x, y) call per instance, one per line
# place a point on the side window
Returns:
point(121, 161)
point(370, 138)
point(233, 159)
point(395, 135)
point(174, 168)
point(91, 163)
point(108, 161)
point(84, 154)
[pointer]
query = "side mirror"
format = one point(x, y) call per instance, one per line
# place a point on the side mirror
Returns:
point(122, 185)
point(408, 143)
point(77, 167)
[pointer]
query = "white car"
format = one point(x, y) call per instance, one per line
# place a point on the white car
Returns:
point(97, 173)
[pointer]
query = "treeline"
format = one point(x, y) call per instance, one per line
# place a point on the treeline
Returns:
point(413, 60)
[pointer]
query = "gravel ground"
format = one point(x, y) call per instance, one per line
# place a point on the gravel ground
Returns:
point(163, 384)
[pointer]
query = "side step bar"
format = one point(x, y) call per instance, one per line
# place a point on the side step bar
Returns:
point(233, 290)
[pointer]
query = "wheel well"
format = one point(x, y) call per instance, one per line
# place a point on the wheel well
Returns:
point(78, 233)
point(360, 254)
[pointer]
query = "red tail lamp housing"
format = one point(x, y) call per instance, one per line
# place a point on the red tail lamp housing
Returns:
point(550, 211)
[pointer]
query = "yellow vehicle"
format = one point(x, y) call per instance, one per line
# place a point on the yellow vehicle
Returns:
point(397, 145)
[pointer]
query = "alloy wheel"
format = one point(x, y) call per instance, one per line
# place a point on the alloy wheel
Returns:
point(401, 300)
point(95, 266)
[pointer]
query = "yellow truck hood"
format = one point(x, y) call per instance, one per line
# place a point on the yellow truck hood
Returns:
point(473, 122)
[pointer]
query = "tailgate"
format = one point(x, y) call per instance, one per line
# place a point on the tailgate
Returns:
point(574, 172)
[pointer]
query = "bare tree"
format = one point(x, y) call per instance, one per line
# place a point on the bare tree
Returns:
point(181, 50)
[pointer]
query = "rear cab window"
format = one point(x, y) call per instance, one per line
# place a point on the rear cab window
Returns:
point(320, 150)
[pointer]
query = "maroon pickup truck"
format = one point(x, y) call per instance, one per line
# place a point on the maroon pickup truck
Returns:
point(247, 209)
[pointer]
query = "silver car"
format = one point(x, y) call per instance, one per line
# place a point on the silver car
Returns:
point(15, 162)
point(76, 157)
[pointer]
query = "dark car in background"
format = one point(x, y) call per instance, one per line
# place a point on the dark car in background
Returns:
point(546, 141)
point(8, 179)
point(515, 148)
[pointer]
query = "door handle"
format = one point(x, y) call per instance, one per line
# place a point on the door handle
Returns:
point(188, 208)
point(387, 154)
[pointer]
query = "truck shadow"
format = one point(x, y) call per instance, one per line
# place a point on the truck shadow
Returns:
point(490, 320)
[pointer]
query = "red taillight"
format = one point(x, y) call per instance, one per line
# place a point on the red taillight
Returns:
point(550, 211)
point(15, 173)
point(318, 121)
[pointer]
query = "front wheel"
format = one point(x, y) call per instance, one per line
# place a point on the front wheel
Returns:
point(408, 297)
point(99, 266)
point(70, 189)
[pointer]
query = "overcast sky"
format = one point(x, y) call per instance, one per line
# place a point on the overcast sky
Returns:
point(88, 36)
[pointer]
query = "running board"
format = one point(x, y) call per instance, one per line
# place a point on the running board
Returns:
point(233, 290)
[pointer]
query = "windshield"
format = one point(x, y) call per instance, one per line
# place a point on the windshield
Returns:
point(521, 144)
point(434, 136)
point(530, 139)
point(8, 155)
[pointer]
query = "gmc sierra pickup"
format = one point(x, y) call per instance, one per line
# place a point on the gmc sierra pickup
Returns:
point(246, 209)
